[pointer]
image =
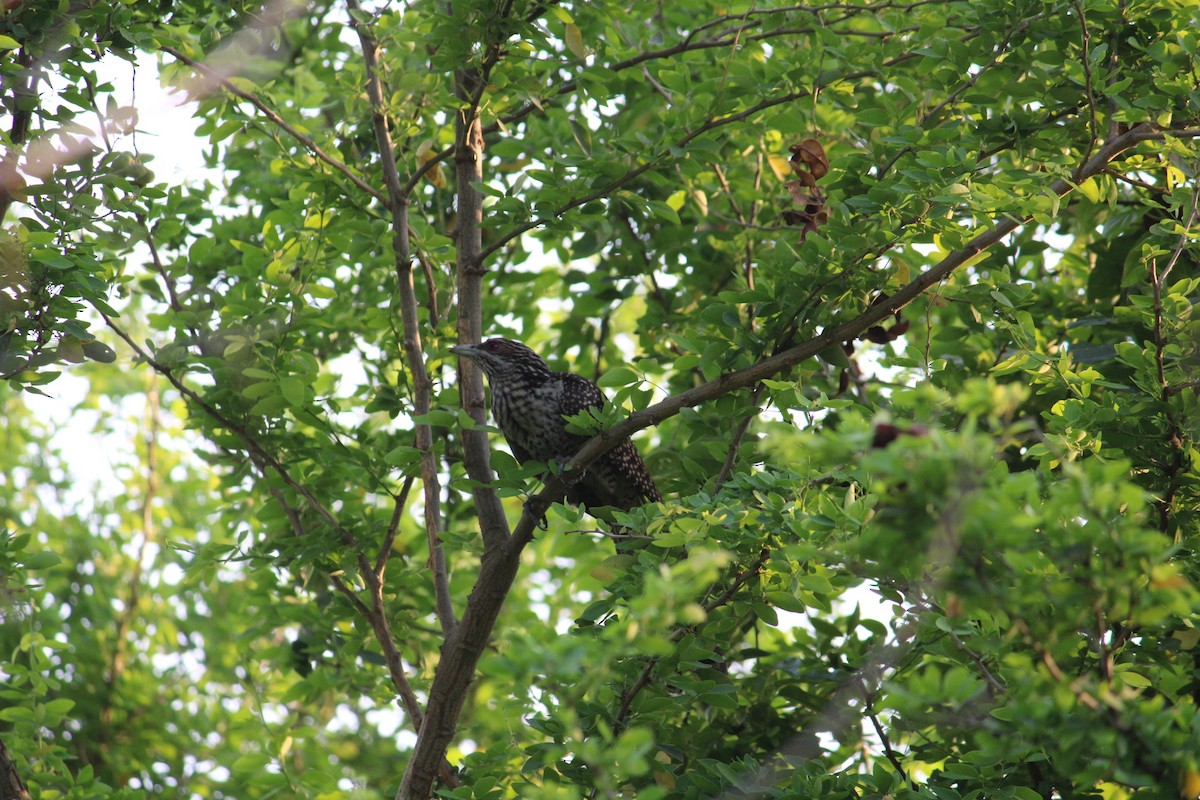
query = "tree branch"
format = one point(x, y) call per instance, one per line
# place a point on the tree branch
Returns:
point(643, 678)
point(721, 39)
point(409, 313)
point(465, 643)
point(24, 100)
point(459, 655)
point(1085, 61)
point(468, 172)
point(711, 124)
point(604, 191)
point(1174, 433)
point(11, 786)
point(739, 434)
point(389, 538)
point(868, 699)
point(374, 614)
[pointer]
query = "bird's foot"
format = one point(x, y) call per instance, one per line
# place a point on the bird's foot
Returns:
point(539, 507)
point(570, 479)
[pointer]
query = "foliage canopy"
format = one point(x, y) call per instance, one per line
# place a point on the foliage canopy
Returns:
point(901, 294)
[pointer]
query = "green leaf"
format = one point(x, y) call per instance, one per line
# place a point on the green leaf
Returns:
point(619, 376)
point(574, 41)
point(17, 714)
point(42, 560)
point(292, 389)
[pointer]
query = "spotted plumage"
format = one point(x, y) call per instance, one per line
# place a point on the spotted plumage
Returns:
point(528, 404)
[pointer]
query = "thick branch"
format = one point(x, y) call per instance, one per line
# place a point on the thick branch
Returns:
point(459, 655)
point(463, 647)
point(468, 172)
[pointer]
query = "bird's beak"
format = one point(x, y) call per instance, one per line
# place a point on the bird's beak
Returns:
point(465, 350)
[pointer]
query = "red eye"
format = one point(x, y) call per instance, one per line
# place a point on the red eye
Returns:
point(491, 345)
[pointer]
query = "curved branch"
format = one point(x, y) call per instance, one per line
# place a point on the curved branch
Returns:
point(466, 644)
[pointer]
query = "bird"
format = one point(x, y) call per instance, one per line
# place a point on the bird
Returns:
point(529, 401)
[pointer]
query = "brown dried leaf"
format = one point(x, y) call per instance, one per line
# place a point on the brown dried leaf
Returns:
point(809, 157)
point(809, 164)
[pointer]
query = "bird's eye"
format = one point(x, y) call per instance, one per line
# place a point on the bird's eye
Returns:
point(491, 346)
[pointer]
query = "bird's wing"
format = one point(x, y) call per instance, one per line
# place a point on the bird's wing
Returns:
point(618, 478)
point(578, 394)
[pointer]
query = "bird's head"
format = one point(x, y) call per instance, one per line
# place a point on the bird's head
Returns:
point(504, 359)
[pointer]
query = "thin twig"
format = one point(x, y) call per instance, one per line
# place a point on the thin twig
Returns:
point(252, 445)
point(1115, 72)
point(217, 79)
point(888, 751)
point(376, 615)
point(389, 538)
point(735, 444)
point(997, 688)
point(1001, 51)
point(1174, 433)
point(643, 678)
point(1089, 90)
